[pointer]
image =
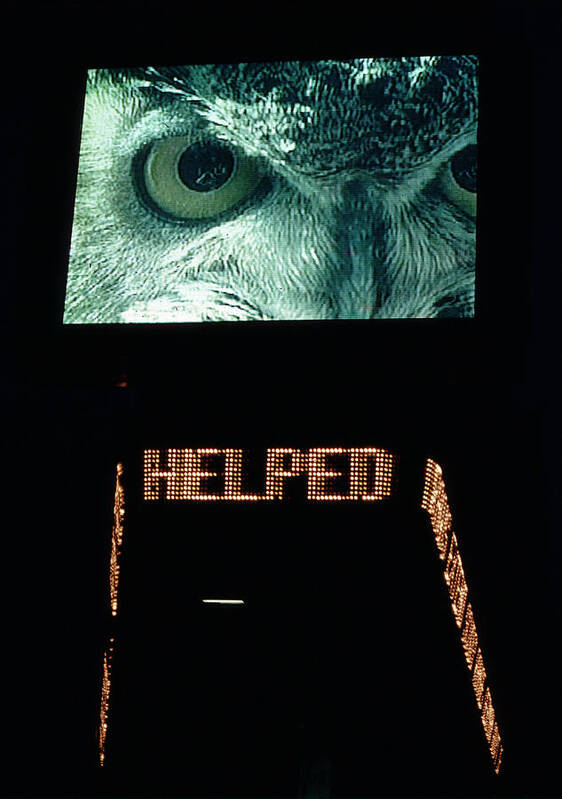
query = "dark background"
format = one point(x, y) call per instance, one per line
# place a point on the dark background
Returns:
point(481, 396)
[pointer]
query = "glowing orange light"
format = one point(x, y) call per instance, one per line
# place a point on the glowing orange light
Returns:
point(321, 476)
point(116, 540)
point(211, 475)
point(435, 502)
point(116, 544)
point(281, 464)
point(104, 705)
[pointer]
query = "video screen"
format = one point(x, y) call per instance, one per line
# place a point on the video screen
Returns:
point(312, 190)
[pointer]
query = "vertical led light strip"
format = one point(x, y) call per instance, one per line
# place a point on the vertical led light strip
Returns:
point(104, 705)
point(435, 502)
point(116, 543)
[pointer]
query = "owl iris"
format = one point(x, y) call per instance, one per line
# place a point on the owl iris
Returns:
point(197, 180)
point(206, 167)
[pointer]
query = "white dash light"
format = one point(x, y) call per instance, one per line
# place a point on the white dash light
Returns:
point(223, 601)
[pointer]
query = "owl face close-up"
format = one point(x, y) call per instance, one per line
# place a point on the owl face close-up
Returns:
point(280, 191)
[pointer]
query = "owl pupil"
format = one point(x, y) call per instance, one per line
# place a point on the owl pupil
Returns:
point(463, 167)
point(205, 166)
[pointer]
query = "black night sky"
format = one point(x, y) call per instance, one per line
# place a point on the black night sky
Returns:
point(480, 396)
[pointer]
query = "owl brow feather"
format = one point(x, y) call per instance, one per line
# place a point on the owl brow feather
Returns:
point(160, 80)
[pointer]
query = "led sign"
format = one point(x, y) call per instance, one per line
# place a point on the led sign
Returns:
point(332, 474)
point(360, 474)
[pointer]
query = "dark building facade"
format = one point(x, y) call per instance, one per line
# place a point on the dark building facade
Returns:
point(284, 613)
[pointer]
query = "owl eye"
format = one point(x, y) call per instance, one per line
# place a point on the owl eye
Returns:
point(198, 180)
point(459, 179)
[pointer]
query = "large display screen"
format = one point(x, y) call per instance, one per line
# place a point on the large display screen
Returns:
point(311, 190)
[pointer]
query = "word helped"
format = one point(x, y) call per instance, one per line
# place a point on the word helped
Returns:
point(213, 475)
